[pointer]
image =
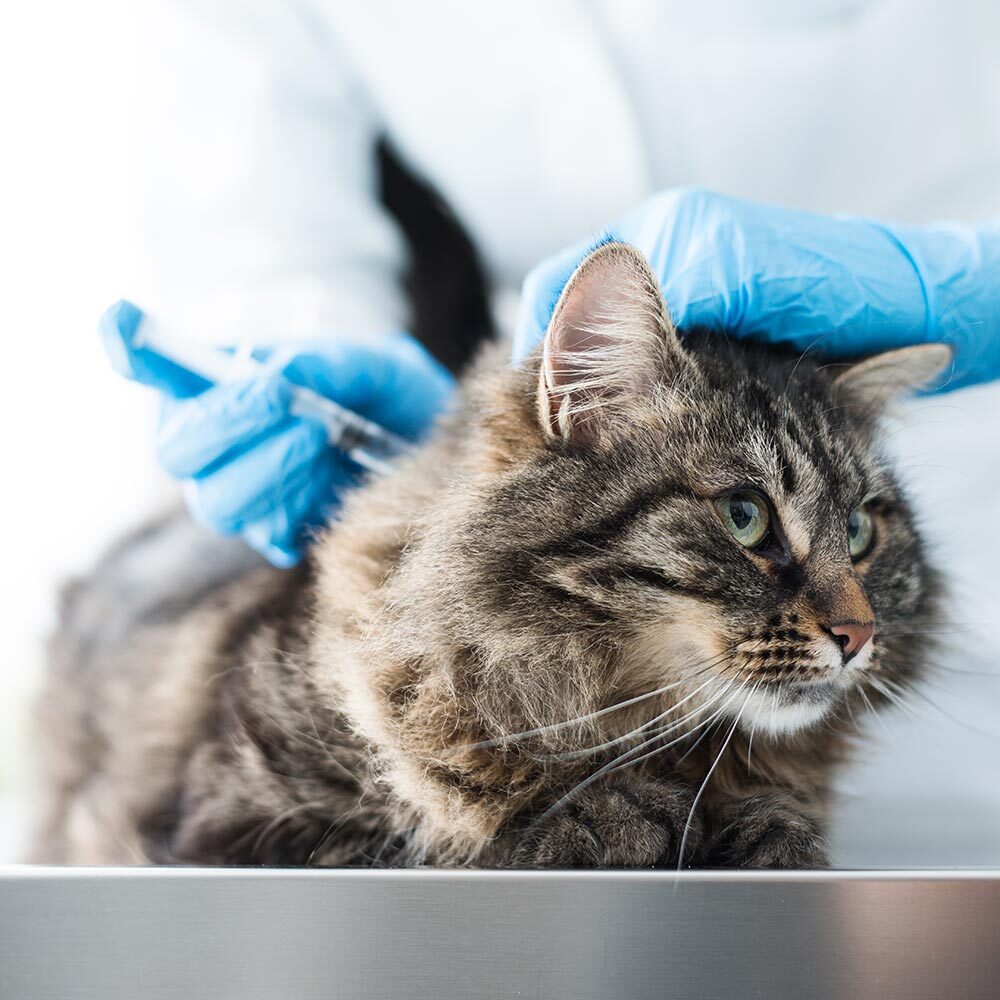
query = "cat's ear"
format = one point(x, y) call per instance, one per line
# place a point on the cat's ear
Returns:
point(876, 380)
point(609, 341)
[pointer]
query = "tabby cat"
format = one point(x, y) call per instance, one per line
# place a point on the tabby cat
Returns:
point(626, 607)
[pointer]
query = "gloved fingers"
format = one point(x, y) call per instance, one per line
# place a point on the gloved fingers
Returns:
point(281, 534)
point(645, 227)
point(118, 328)
point(832, 285)
point(196, 433)
point(540, 292)
point(273, 537)
point(261, 479)
point(414, 388)
point(393, 381)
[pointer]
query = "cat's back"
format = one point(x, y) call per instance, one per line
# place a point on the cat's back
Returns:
point(128, 689)
point(180, 646)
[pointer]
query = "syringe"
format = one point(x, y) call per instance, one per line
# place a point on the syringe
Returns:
point(132, 345)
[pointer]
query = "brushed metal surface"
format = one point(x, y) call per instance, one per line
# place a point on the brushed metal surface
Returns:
point(270, 935)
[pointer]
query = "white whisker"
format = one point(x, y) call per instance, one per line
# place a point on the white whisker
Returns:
point(586, 751)
point(612, 765)
point(589, 716)
point(711, 771)
point(715, 716)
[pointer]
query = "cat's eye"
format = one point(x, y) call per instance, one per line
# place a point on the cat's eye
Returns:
point(745, 516)
point(860, 533)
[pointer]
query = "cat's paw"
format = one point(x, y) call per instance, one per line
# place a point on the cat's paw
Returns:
point(634, 824)
point(767, 830)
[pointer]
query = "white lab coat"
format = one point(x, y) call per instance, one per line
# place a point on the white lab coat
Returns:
point(539, 122)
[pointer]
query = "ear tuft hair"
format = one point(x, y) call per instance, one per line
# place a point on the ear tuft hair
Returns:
point(609, 340)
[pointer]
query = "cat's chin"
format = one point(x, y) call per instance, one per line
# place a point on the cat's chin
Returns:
point(789, 709)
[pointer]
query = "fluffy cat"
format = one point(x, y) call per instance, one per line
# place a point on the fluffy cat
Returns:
point(623, 609)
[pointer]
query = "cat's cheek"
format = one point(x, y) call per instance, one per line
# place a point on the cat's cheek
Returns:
point(684, 641)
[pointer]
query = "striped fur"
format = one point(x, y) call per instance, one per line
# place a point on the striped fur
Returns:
point(530, 645)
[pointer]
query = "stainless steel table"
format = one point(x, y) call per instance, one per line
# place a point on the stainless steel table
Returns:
point(70, 934)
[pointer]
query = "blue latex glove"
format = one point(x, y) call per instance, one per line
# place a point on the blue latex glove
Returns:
point(253, 469)
point(837, 285)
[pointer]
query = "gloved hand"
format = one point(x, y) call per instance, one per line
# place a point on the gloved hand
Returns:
point(253, 469)
point(839, 286)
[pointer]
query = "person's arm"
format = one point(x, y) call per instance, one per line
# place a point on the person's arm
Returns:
point(836, 286)
point(257, 155)
point(263, 226)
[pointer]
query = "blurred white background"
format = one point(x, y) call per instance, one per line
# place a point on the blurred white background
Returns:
point(78, 463)
point(75, 438)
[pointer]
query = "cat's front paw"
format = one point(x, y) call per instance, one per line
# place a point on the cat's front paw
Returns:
point(768, 830)
point(634, 824)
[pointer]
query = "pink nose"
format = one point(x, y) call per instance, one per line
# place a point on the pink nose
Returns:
point(852, 637)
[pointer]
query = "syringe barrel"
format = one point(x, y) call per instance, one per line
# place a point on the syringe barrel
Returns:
point(346, 430)
point(364, 441)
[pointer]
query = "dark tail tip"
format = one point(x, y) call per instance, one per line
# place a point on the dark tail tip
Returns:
point(446, 282)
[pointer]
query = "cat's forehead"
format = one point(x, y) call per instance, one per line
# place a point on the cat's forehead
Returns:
point(795, 443)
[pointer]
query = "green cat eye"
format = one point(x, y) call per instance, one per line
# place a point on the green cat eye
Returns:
point(860, 533)
point(745, 516)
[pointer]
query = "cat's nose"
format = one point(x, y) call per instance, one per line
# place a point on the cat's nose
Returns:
point(852, 637)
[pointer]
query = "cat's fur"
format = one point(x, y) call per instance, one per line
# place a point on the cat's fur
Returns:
point(552, 552)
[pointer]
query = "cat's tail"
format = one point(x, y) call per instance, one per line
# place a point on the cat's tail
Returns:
point(446, 282)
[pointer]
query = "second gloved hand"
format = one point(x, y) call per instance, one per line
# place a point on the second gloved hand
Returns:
point(838, 286)
point(252, 468)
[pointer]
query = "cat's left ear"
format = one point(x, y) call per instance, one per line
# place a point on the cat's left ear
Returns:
point(609, 347)
point(876, 380)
